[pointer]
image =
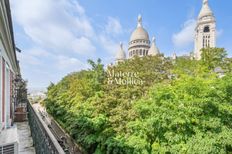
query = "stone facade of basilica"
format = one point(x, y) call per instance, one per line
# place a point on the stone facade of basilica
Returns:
point(140, 44)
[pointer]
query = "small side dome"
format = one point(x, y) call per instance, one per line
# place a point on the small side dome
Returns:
point(153, 51)
point(205, 10)
point(139, 33)
point(121, 55)
point(174, 57)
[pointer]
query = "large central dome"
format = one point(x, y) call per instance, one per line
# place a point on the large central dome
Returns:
point(139, 41)
point(139, 34)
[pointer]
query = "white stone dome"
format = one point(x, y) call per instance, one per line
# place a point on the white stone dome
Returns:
point(139, 42)
point(139, 33)
point(121, 55)
point(205, 10)
point(153, 51)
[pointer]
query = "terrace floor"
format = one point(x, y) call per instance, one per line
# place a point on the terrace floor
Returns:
point(24, 138)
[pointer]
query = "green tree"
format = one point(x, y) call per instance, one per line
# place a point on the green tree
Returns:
point(213, 57)
point(21, 90)
point(181, 108)
point(190, 115)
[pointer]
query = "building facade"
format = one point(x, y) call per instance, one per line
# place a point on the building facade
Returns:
point(139, 44)
point(121, 55)
point(205, 32)
point(9, 67)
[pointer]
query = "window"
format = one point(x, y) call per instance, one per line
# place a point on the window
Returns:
point(206, 29)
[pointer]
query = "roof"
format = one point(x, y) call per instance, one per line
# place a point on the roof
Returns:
point(8, 11)
point(139, 33)
point(153, 49)
point(205, 10)
point(121, 55)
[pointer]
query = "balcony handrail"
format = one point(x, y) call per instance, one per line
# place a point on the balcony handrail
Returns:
point(43, 139)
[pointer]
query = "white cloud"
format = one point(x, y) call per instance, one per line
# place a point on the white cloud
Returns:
point(56, 24)
point(113, 26)
point(76, 6)
point(82, 45)
point(186, 35)
point(69, 63)
point(57, 32)
point(38, 57)
point(32, 56)
point(107, 39)
point(38, 52)
point(28, 59)
point(109, 44)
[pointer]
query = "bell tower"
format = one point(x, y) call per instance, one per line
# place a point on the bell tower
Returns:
point(205, 32)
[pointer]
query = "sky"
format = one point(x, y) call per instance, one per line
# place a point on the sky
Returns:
point(57, 37)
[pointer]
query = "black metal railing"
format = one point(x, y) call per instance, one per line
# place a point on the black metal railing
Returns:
point(43, 140)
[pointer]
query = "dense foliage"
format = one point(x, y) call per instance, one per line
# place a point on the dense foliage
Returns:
point(21, 86)
point(183, 106)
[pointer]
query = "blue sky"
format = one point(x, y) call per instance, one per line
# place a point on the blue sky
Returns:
point(58, 36)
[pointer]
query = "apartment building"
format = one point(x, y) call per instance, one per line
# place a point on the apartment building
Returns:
point(9, 68)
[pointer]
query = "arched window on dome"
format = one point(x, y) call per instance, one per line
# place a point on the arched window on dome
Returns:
point(206, 29)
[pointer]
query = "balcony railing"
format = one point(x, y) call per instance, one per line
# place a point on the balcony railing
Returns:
point(43, 139)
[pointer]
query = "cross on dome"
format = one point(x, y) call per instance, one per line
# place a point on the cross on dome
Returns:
point(139, 21)
point(205, 1)
point(153, 39)
point(121, 45)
